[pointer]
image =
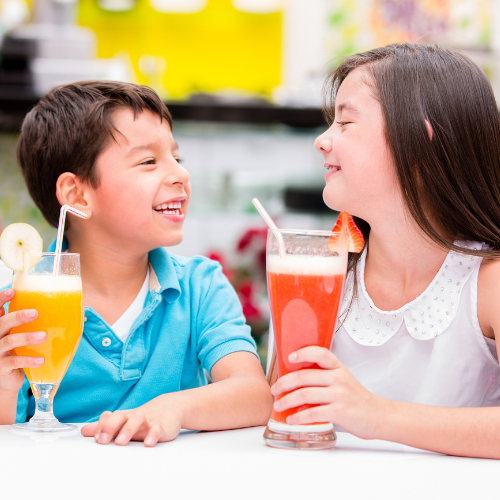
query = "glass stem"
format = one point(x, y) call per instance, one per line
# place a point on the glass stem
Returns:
point(44, 398)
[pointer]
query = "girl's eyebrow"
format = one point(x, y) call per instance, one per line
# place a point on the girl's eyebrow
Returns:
point(348, 106)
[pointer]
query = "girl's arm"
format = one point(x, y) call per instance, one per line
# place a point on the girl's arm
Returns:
point(238, 397)
point(470, 432)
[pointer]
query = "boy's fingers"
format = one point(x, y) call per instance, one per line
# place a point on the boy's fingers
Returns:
point(89, 429)
point(100, 423)
point(14, 340)
point(9, 363)
point(314, 354)
point(17, 318)
point(111, 426)
point(154, 435)
point(135, 422)
point(6, 296)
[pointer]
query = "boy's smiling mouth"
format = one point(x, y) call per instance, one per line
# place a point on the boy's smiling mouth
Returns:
point(171, 209)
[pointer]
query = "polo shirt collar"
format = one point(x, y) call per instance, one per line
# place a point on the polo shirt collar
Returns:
point(163, 277)
point(165, 274)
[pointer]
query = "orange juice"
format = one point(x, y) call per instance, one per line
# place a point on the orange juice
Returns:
point(59, 303)
point(305, 293)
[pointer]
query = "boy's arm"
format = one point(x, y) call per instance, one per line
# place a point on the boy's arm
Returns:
point(11, 365)
point(239, 397)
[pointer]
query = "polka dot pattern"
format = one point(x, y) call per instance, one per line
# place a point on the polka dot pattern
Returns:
point(424, 318)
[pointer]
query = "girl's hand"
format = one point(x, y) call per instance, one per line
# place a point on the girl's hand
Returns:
point(341, 398)
point(154, 422)
point(11, 373)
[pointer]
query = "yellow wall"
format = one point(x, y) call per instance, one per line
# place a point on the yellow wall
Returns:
point(216, 48)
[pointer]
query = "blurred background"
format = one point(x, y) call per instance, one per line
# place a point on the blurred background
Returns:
point(243, 81)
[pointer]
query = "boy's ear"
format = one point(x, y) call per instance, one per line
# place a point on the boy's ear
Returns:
point(71, 191)
point(429, 129)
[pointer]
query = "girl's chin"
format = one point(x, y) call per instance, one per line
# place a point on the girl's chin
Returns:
point(332, 202)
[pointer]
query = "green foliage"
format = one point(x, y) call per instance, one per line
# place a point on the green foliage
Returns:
point(16, 204)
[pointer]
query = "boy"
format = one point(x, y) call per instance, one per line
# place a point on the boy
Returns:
point(153, 320)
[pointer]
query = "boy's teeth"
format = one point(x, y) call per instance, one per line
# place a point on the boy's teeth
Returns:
point(169, 206)
point(168, 211)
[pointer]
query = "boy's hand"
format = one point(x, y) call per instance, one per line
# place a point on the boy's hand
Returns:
point(152, 423)
point(341, 399)
point(11, 373)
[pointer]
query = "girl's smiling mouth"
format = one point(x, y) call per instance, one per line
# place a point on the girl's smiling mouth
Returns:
point(171, 209)
point(332, 169)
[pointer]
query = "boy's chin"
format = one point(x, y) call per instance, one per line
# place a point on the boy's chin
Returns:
point(172, 240)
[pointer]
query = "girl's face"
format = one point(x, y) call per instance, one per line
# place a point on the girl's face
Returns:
point(360, 170)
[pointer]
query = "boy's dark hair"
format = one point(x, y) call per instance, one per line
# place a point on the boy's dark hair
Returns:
point(68, 129)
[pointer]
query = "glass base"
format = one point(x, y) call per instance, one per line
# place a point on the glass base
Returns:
point(300, 437)
point(45, 427)
point(43, 421)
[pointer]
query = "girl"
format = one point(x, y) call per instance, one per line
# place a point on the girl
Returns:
point(413, 152)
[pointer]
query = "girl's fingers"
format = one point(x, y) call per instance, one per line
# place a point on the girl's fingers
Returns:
point(17, 318)
point(6, 296)
point(314, 354)
point(135, 422)
point(309, 395)
point(14, 340)
point(309, 416)
point(302, 378)
point(9, 363)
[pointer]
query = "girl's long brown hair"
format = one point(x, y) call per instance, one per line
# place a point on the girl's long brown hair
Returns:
point(452, 179)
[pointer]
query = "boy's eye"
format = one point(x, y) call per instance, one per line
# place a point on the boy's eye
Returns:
point(149, 161)
point(343, 123)
point(178, 160)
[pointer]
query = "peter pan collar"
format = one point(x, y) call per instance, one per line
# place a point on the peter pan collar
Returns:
point(424, 318)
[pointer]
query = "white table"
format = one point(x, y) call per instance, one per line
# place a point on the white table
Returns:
point(236, 465)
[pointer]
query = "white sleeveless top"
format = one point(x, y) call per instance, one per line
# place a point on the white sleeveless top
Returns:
point(430, 351)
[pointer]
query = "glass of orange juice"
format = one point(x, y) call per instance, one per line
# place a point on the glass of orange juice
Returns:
point(52, 285)
point(305, 280)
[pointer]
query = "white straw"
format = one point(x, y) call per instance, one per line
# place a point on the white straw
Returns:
point(60, 231)
point(271, 224)
point(62, 221)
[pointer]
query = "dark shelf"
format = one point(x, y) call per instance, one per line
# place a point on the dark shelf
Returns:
point(16, 101)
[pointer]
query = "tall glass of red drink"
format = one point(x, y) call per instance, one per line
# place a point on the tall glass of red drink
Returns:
point(305, 280)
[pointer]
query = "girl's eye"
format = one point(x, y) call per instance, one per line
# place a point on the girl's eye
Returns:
point(149, 161)
point(178, 160)
point(343, 123)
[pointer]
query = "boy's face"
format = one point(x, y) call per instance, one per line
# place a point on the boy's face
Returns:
point(143, 192)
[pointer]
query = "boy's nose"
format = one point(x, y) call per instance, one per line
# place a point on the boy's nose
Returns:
point(323, 143)
point(180, 175)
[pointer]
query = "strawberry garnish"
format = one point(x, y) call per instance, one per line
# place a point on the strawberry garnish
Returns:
point(346, 235)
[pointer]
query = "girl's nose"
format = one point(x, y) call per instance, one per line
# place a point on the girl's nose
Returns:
point(323, 143)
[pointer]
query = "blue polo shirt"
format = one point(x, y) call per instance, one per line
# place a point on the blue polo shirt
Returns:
point(191, 318)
